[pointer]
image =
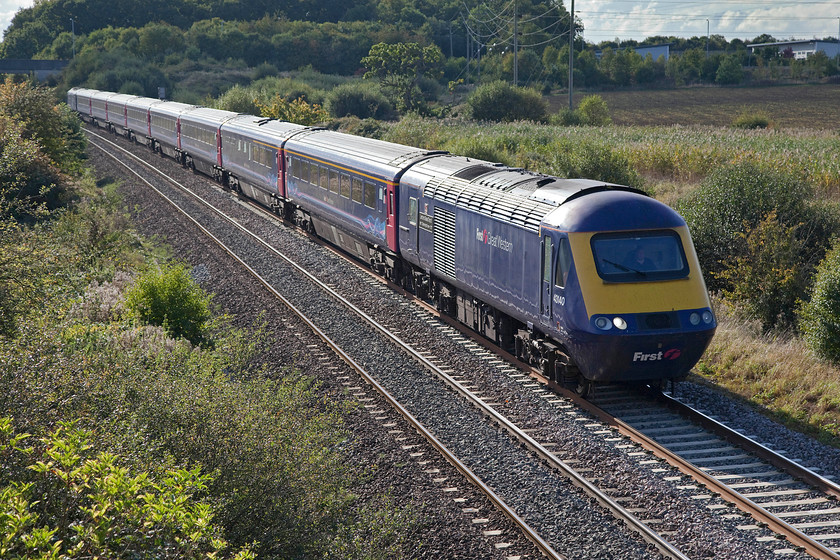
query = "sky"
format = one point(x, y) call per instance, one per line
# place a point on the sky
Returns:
point(733, 19)
point(634, 19)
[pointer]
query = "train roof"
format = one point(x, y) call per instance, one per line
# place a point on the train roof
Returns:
point(613, 210)
point(266, 130)
point(367, 155)
point(207, 116)
point(143, 102)
point(172, 108)
point(121, 98)
point(103, 95)
point(514, 195)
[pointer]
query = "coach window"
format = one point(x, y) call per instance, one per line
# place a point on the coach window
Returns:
point(334, 181)
point(358, 190)
point(564, 263)
point(296, 168)
point(370, 195)
point(412, 211)
point(345, 185)
point(315, 178)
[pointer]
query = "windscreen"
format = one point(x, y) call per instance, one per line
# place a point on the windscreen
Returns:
point(635, 257)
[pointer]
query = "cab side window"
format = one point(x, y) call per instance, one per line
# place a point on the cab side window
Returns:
point(412, 211)
point(564, 263)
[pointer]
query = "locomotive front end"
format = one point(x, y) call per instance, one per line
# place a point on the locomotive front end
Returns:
point(644, 313)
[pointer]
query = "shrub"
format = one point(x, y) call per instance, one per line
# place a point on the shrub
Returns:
point(593, 111)
point(751, 119)
point(734, 198)
point(65, 501)
point(818, 317)
point(358, 100)
point(566, 117)
point(264, 70)
point(499, 101)
point(239, 100)
point(297, 111)
point(770, 277)
point(168, 297)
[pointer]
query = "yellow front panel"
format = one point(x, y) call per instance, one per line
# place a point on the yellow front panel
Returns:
point(603, 298)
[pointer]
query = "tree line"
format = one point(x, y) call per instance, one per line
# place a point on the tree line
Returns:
point(136, 47)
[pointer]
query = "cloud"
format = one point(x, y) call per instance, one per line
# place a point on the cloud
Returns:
point(623, 19)
point(8, 9)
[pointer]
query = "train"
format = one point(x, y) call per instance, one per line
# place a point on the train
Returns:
point(592, 282)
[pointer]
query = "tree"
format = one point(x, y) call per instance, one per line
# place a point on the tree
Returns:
point(729, 71)
point(400, 66)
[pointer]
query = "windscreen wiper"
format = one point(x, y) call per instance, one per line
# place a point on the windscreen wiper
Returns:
point(625, 268)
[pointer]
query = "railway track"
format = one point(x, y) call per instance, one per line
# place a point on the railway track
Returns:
point(796, 503)
point(469, 421)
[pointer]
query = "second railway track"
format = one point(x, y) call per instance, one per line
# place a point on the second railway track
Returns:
point(652, 491)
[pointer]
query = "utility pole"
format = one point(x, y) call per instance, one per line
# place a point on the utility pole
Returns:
point(708, 35)
point(571, 53)
point(515, 47)
point(73, 31)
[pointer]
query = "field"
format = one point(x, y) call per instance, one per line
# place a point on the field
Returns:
point(789, 106)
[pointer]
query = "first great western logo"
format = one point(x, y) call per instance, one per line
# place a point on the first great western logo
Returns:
point(497, 241)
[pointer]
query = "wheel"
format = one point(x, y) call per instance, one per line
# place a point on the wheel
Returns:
point(578, 385)
point(584, 388)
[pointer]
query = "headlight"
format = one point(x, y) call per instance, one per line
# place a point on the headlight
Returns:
point(707, 317)
point(694, 319)
point(603, 323)
point(620, 323)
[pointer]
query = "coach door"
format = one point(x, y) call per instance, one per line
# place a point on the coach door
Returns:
point(408, 223)
point(546, 283)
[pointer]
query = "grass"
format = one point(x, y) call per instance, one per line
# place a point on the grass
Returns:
point(777, 374)
point(683, 155)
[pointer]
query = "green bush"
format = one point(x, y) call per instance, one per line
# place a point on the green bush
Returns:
point(239, 100)
point(734, 198)
point(62, 500)
point(593, 111)
point(501, 102)
point(769, 278)
point(818, 317)
point(751, 120)
point(168, 297)
point(566, 117)
point(358, 100)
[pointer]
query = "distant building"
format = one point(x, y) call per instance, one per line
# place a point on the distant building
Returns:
point(655, 51)
point(801, 49)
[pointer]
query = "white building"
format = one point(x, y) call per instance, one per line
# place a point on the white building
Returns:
point(801, 49)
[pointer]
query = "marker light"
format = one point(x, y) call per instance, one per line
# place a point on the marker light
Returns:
point(620, 323)
point(694, 319)
point(707, 317)
point(603, 323)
